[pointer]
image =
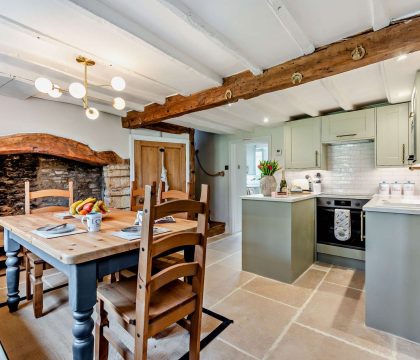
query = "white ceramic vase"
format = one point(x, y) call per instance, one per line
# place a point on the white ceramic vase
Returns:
point(268, 184)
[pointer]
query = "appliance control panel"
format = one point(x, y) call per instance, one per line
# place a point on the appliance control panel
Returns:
point(342, 203)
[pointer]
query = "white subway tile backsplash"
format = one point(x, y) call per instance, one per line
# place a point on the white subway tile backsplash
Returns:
point(351, 169)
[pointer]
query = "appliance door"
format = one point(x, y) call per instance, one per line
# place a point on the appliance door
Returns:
point(325, 229)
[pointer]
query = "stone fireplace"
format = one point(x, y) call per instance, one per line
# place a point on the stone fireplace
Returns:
point(52, 165)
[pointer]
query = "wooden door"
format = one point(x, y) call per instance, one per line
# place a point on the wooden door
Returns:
point(392, 135)
point(148, 163)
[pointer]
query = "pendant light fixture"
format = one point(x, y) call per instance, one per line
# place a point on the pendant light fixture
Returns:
point(80, 91)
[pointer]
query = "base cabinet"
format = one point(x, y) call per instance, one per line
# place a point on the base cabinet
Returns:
point(392, 135)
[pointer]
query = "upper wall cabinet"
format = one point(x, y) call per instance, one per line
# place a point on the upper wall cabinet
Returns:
point(302, 144)
point(392, 135)
point(348, 126)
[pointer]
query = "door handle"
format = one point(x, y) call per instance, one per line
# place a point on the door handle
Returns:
point(403, 154)
point(316, 158)
point(344, 135)
point(362, 226)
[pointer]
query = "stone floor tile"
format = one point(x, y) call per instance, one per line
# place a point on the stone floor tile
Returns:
point(220, 281)
point(346, 277)
point(257, 321)
point(407, 350)
point(304, 344)
point(310, 279)
point(276, 290)
point(229, 245)
point(340, 311)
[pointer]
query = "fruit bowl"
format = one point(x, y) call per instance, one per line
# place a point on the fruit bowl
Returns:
point(82, 208)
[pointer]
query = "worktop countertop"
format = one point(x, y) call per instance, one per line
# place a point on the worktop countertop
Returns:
point(394, 204)
point(305, 196)
point(284, 198)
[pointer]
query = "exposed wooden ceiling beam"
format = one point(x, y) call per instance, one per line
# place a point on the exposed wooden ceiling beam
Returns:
point(121, 23)
point(288, 22)
point(187, 15)
point(168, 128)
point(402, 37)
point(379, 14)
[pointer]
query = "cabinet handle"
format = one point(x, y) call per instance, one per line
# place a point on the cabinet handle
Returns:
point(403, 155)
point(339, 136)
point(316, 158)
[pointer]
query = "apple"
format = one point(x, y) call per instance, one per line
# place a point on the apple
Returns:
point(88, 207)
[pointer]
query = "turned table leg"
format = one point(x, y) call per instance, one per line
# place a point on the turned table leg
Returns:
point(82, 287)
point(12, 272)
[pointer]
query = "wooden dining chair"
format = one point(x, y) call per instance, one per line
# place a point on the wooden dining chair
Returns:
point(149, 303)
point(136, 197)
point(170, 195)
point(35, 266)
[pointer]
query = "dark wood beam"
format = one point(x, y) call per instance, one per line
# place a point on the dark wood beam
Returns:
point(400, 38)
point(168, 128)
point(57, 146)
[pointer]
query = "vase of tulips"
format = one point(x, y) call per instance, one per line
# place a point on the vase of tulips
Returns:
point(268, 182)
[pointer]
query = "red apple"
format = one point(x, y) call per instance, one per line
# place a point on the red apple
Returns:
point(88, 207)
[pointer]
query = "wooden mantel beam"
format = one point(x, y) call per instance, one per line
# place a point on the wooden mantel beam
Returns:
point(400, 38)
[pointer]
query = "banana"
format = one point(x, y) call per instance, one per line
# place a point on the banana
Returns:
point(88, 200)
point(73, 207)
point(96, 207)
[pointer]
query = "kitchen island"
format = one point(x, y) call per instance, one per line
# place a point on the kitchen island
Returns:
point(393, 265)
point(278, 235)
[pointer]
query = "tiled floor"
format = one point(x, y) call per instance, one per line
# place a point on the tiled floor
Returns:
point(320, 316)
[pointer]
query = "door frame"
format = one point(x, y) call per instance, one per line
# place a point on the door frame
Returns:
point(175, 140)
point(232, 160)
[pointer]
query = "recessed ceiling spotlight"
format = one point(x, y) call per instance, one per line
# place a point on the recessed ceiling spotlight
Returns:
point(402, 57)
point(266, 120)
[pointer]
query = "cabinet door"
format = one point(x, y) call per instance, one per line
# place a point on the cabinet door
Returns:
point(303, 144)
point(392, 135)
point(353, 125)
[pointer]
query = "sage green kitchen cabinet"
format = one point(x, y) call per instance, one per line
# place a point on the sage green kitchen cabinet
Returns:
point(302, 144)
point(392, 135)
point(348, 126)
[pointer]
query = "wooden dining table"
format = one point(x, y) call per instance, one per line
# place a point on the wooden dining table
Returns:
point(84, 258)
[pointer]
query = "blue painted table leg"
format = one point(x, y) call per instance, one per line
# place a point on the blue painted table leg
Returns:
point(82, 287)
point(12, 272)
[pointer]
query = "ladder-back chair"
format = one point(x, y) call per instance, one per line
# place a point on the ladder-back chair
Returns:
point(35, 266)
point(150, 303)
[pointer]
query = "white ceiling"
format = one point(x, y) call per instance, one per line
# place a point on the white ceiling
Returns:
point(164, 47)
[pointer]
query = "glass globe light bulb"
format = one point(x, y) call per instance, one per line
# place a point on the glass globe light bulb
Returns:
point(77, 90)
point(118, 83)
point(43, 85)
point(55, 92)
point(119, 103)
point(92, 113)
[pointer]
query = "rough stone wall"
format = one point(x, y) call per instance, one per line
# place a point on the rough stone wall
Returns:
point(117, 186)
point(44, 172)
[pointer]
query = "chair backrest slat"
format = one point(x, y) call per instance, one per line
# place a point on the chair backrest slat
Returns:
point(179, 206)
point(31, 195)
point(136, 193)
point(174, 241)
point(172, 273)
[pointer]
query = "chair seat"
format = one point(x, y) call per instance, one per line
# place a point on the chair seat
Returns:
point(34, 259)
point(121, 298)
